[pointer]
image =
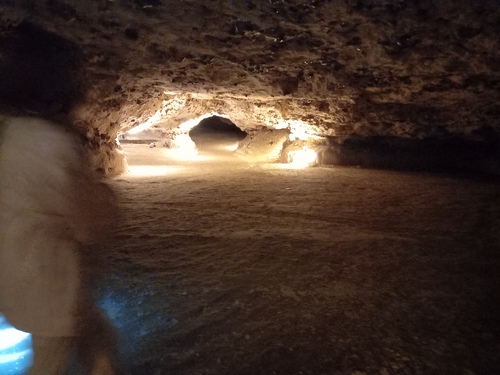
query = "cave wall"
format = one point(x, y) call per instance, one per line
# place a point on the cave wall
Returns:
point(340, 68)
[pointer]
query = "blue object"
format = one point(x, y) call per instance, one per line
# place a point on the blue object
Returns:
point(16, 353)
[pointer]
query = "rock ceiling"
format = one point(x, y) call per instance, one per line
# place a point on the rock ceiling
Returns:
point(406, 68)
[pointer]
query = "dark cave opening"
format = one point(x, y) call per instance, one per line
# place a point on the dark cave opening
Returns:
point(216, 134)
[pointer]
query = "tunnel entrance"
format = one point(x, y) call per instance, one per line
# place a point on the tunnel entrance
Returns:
point(216, 135)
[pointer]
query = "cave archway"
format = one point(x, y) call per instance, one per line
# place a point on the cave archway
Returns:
point(216, 134)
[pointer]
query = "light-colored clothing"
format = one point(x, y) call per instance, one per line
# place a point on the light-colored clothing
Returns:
point(50, 204)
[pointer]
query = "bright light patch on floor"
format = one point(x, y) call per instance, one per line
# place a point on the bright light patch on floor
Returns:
point(148, 170)
point(232, 147)
point(302, 158)
point(185, 147)
point(16, 354)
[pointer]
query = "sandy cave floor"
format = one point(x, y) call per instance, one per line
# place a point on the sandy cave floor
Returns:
point(227, 267)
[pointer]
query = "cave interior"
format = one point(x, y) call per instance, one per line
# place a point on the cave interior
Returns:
point(390, 84)
point(378, 254)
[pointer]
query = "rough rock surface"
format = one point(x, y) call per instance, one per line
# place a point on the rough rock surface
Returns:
point(403, 68)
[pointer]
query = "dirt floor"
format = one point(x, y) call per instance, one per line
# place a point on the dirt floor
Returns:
point(227, 267)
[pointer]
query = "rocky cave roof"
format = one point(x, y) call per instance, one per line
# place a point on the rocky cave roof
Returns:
point(406, 68)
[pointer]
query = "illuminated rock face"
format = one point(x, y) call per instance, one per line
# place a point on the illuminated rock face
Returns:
point(397, 68)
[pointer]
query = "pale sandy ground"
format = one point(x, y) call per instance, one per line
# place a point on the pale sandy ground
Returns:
point(237, 268)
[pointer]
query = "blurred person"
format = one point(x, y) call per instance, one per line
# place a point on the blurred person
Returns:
point(55, 213)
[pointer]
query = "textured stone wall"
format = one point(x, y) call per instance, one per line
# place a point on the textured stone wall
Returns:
point(395, 68)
